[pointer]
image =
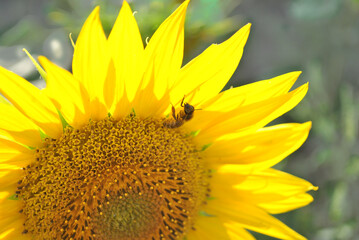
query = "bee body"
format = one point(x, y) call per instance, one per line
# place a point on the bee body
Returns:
point(172, 123)
point(184, 115)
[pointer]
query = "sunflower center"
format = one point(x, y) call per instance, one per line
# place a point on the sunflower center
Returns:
point(114, 179)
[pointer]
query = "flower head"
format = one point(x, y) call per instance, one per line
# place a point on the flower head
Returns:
point(131, 145)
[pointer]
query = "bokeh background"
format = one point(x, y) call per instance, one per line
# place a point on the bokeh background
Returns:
point(318, 37)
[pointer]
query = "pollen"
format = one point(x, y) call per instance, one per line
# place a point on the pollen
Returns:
point(114, 179)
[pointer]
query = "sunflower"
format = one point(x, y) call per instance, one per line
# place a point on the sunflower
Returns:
point(131, 145)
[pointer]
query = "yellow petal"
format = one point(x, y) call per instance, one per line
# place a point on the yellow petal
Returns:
point(121, 107)
point(110, 86)
point(252, 218)
point(7, 192)
point(9, 176)
point(164, 53)
point(90, 62)
point(127, 50)
point(264, 148)
point(273, 181)
point(12, 227)
point(8, 209)
point(244, 118)
point(162, 60)
point(206, 75)
point(273, 190)
point(19, 161)
point(3, 194)
point(251, 93)
point(65, 93)
point(11, 221)
point(31, 102)
point(3, 100)
point(14, 125)
point(287, 204)
point(14, 154)
point(209, 228)
point(237, 232)
point(15, 233)
point(8, 167)
point(146, 104)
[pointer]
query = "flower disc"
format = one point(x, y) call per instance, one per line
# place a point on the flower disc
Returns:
point(126, 179)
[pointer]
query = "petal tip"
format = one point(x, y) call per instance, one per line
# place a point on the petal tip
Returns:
point(184, 5)
point(295, 74)
point(125, 3)
point(95, 13)
point(42, 59)
point(244, 31)
point(305, 86)
point(308, 124)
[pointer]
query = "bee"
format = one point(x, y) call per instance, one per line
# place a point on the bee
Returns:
point(184, 115)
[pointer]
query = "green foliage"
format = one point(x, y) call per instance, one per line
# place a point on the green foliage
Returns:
point(314, 10)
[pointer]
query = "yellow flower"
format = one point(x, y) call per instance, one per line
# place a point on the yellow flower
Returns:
point(101, 153)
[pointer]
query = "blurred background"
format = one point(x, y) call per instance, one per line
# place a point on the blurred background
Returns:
point(318, 37)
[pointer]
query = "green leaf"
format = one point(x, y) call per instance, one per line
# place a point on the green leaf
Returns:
point(204, 147)
point(14, 197)
point(205, 214)
point(43, 135)
point(63, 120)
point(192, 134)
